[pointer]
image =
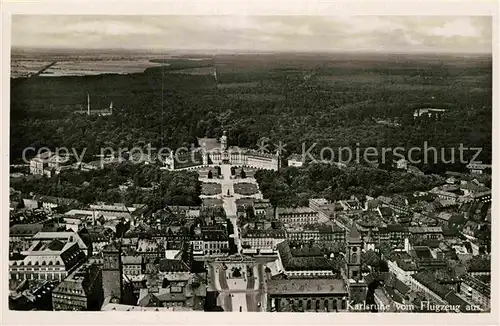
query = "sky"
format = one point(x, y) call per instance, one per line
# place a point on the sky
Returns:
point(406, 34)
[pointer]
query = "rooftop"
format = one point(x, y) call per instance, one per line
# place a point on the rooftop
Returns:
point(308, 259)
point(295, 210)
point(479, 264)
point(396, 228)
point(55, 200)
point(403, 260)
point(422, 252)
point(319, 227)
point(25, 229)
point(132, 260)
point(173, 265)
point(112, 208)
point(354, 236)
point(425, 229)
point(111, 247)
point(257, 233)
point(427, 279)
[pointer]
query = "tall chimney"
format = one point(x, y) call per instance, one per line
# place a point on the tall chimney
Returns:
point(88, 104)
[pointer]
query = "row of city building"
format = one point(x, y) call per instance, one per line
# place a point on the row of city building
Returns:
point(148, 264)
point(418, 248)
point(431, 257)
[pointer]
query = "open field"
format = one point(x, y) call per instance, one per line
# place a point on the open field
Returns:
point(78, 63)
point(21, 68)
point(83, 68)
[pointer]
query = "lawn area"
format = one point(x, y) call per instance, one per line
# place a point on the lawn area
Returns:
point(212, 202)
point(210, 189)
point(248, 172)
point(245, 188)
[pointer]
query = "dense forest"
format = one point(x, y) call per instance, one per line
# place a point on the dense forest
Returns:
point(295, 186)
point(145, 184)
point(331, 101)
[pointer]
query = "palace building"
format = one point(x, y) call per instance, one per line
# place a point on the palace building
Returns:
point(212, 152)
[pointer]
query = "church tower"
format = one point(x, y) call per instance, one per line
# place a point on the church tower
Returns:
point(356, 282)
point(354, 244)
point(112, 271)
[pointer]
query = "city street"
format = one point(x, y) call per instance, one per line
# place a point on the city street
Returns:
point(247, 293)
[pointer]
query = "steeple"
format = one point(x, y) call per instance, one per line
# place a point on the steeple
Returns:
point(354, 236)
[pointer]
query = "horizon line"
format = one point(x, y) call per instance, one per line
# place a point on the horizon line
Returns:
point(214, 52)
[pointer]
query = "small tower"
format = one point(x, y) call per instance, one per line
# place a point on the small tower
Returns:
point(111, 108)
point(225, 158)
point(223, 141)
point(356, 283)
point(112, 271)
